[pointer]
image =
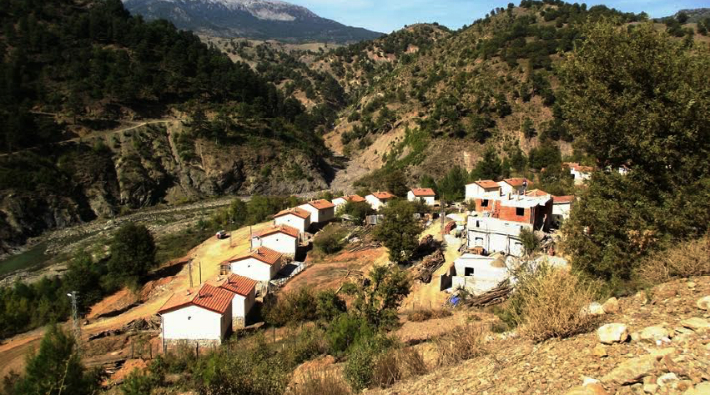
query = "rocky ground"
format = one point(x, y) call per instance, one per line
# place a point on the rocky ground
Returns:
point(659, 343)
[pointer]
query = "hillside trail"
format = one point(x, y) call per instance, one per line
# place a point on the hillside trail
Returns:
point(207, 257)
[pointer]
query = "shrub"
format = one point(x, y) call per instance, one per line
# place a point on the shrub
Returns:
point(462, 343)
point(304, 345)
point(687, 259)
point(329, 243)
point(347, 331)
point(294, 306)
point(328, 383)
point(550, 303)
point(424, 315)
point(360, 367)
point(391, 367)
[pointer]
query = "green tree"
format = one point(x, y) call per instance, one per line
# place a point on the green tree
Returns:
point(132, 254)
point(528, 128)
point(453, 186)
point(56, 368)
point(82, 276)
point(427, 181)
point(399, 230)
point(396, 183)
point(358, 210)
point(377, 300)
point(488, 168)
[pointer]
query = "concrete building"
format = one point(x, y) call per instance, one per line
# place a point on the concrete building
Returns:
point(282, 238)
point(342, 200)
point(578, 172)
point(244, 291)
point(514, 186)
point(294, 217)
point(426, 195)
point(321, 210)
point(201, 316)
point(478, 274)
point(496, 235)
point(379, 199)
point(483, 189)
point(561, 207)
point(261, 264)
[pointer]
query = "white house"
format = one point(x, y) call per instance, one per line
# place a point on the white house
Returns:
point(342, 200)
point(426, 195)
point(514, 186)
point(482, 189)
point(479, 274)
point(294, 217)
point(244, 291)
point(496, 235)
point(578, 172)
point(261, 264)
point(282, 238)
point(379, 199)
point(200, 315)
point(321, 210)
point(561, 207)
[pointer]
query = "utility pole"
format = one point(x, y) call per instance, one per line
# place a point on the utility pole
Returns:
point(75, 320)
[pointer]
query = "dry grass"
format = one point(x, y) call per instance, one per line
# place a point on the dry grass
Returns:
point(688, 259)
point(397, 365)
point(552, 303)
point(328, 383)
point(462, 343)
point(426, 314)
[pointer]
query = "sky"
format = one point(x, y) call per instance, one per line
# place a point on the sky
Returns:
point(389, 15)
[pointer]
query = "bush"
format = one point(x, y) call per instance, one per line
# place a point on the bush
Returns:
point(328, 383)
point(687, 259)
point(394, 366)
point(294, 306)
point(304, 345)
point(550, 303)
point(462, 343)
point(328, 242)
point(360, 367)
point(425, 315)
point(347, 331)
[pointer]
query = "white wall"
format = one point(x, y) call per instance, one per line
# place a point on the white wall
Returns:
point(560, 211)
point(428, 200)
point(314, 212)
point(495, 242)
point(375, 203)
point(579, 177)
point(280, 242)
point(294, 221)
point(255, 269)
point(475, 191)
point(196, 323)
point(241, 305)
point(339, 201)
point(509, 190)
point(485, 277)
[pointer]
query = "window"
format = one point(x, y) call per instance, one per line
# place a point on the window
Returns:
point(468, 271)
point(519, 211)
point(484, 203)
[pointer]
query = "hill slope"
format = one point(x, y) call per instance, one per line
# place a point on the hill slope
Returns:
point(257, 19)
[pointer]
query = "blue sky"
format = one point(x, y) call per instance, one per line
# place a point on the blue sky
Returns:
point(388, 15)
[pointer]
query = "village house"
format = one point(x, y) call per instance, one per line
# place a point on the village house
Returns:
point(561, 207)
point(342, 200)
point(294, 217)
point(425, 195)
point(496, 235)
point(379, 199)
point(282, 238)
point(478, 274)
point(202, 316)
point(514, 186)
point(579, 173)
point(244, 290)
point(261, 264)
point(482, 190)
point(321, 210)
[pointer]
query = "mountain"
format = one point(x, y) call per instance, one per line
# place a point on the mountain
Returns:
point(256, 19)
point(694, 15)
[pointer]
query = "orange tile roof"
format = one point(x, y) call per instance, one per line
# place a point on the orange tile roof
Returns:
point(237, 284)
point(263, 254)
point(578, 167)
point(487, 184)
point(517, 182)
point(208, 297)
point(297, 211)
point(383, 195)
point(285, 229)
point(536, 193)
point(321, 204)
point(352, 198)
point(424, 192)
point(562, 199)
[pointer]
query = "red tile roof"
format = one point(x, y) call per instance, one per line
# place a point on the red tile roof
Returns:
point(263, 254)
point(562, 199)
point(208, 297)
point(285, 229)
point(237, 284)
point(578, 167)
point(423, 192)
point(299, 212)
point(487, 184)
point(321, 204)
point(517, 182)
point(536, 193)
point(352, 198)
point(383, 195)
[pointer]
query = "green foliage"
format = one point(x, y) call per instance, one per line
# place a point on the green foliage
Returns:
point(56, 368)
point(83, 276)
point(488, 168)
point(547, 155)
point(452, 187)
point(378, 299)
point(132, 254)
point(399, 230)
point(360, 369)
point(28, 306)
point(347, 331)
point(329, 305)
point(530, 242)
point(358, 210)
point(330, 239)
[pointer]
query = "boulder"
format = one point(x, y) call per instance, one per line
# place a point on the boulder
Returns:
point(703, 303)
point(613, 333)
point(697, 324)
point(700, 389)
point(654, 333)
point(588, 389)
point(611, 306)
point(667, 379)
point(600, 351)
point(595, 309)
point(631, 371)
